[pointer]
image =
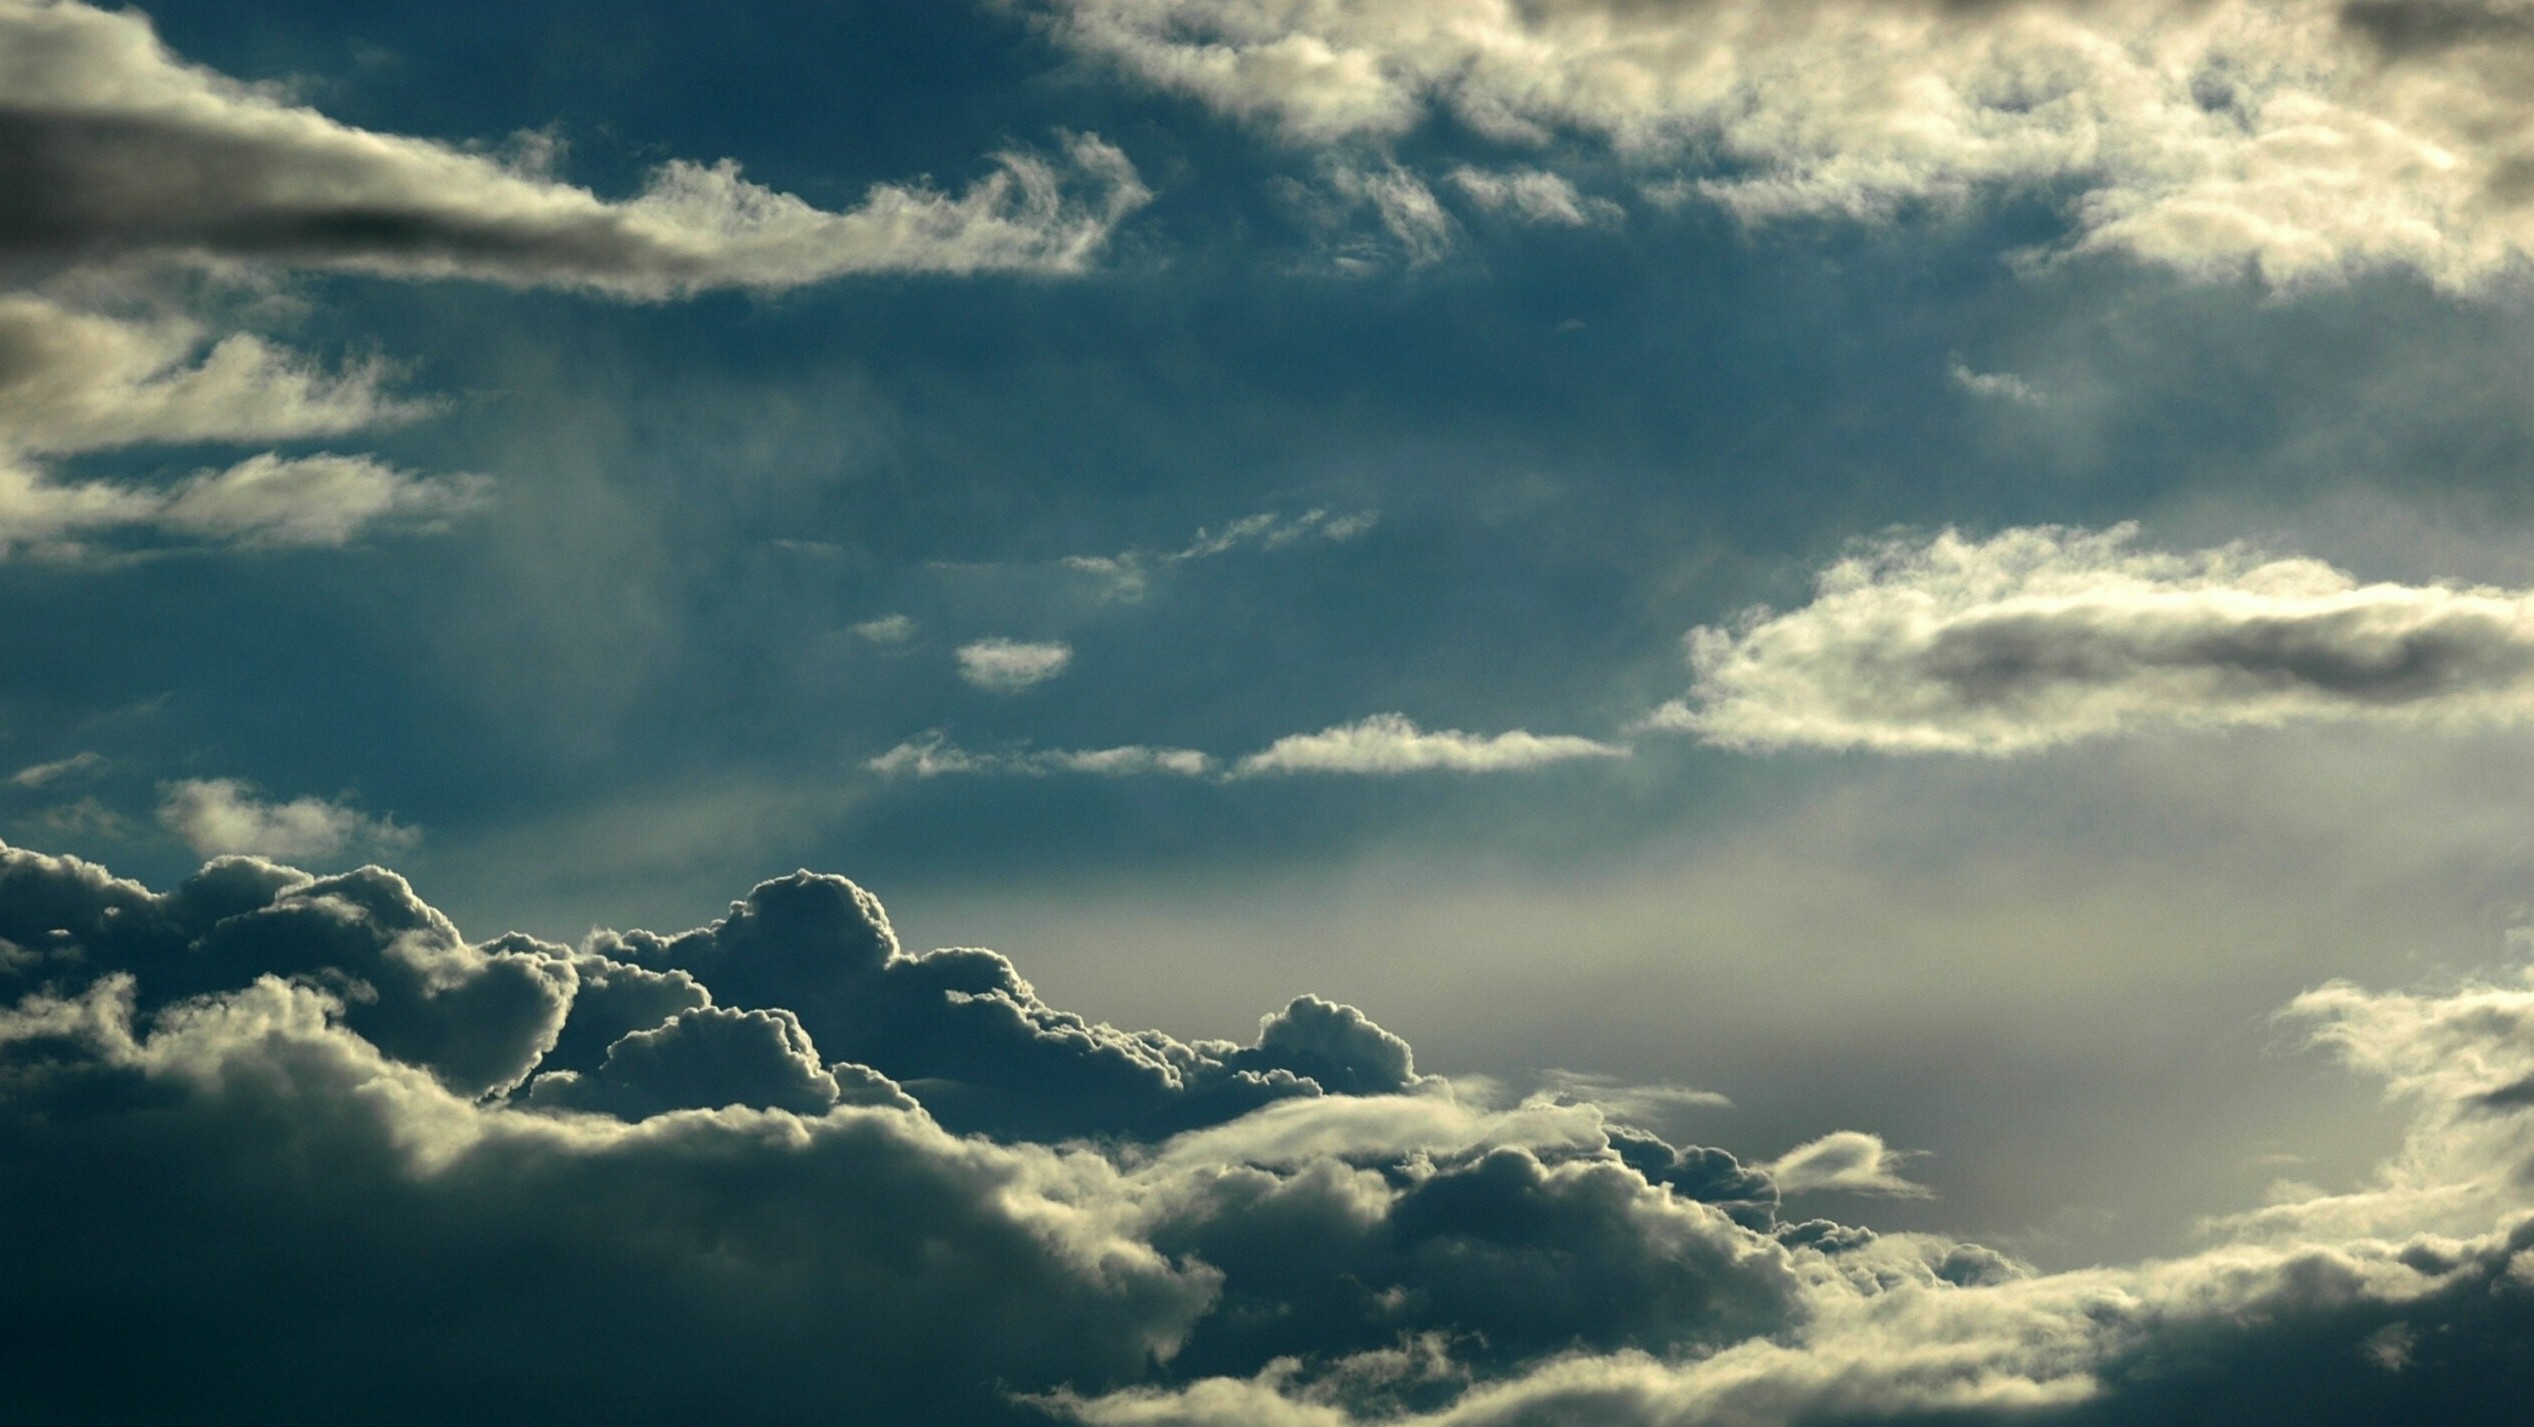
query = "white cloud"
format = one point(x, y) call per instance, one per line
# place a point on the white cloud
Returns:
point(81, 381)
point(932, 755)
point(2040, 636)
point(263, 501)
point(223, 815)
point(1007, 665)
point(119, 147)
point(1389, 744)
point(2000, 386)
point(1850, 1161)
point(887, 629)
point(2305, 138)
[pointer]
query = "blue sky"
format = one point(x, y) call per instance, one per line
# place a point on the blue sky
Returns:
point(1765, 573)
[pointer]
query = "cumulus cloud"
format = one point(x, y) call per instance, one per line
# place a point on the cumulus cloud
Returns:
point(1009, 665)
point(2307, 138)
point(2039, 636)
point(262, 502)
point(324, 1145)
point(225, 815)
point(115, 147)
point(1390, 743)
point(82, 381)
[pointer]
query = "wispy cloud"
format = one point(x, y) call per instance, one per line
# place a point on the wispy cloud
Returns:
point(1389, 744)
point(1384, 745)
point(1126, 573)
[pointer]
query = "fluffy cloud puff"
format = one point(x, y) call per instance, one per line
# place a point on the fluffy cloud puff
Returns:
point(113, 146)
point(2040, 636)
point(2306, 138)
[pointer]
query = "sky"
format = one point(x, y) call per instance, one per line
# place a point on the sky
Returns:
point(1662, 711)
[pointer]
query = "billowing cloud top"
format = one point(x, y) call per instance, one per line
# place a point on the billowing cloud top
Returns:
point(2035, 637)
point(301, 1142)
point(109, 145)
point(2307, 138)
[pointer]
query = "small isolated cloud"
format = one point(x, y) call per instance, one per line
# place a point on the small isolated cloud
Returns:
point(2040, 636)
point(1407, 210)
point(887, 629)
point(1997, 386)
point(932, 755)
point(1848, 1161)
point(44, 775)
point(117, 148)
point(1389, 744)
point(1535, 196)
point(217, 816)
point(263, 501)
point(1007, 665)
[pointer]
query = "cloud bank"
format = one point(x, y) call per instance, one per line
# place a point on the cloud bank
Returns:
point(2041, 636)
point(2306, 139)
point(298, 1142)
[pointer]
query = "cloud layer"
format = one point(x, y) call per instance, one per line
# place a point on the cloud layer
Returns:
point(2040, 636)
point(2307, 139)
point(296, 1140)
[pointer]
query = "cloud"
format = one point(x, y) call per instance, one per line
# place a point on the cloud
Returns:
point(1536, 196)
point(262, 502)
point(887, 629)
point(225, 815)
point(931, 755)
point(2307, 139)
point(1127, 571)
point(1849, 1161)
point(81, 381)
point(2000, 386)
point(1007, 665)
point(2041, 636)
point(41, 775)
point(1387, 744)
point(116, 148)
point(1379, 746)
point(324, 1145)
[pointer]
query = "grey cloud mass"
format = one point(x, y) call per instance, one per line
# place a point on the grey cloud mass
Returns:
point(2040, 636)
point(302, 1139)
point(2308, 139)
point(111, 146)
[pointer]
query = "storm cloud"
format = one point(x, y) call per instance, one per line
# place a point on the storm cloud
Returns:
point(2039, 636)
point(299, 1143)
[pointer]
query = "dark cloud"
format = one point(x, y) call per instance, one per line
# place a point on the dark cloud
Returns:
point(110, 145)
